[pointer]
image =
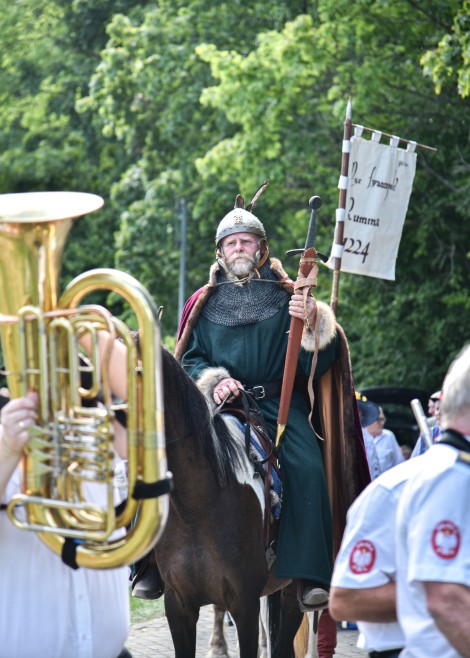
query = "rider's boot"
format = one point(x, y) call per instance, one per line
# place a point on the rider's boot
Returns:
point(147, 582)
point(314, 596)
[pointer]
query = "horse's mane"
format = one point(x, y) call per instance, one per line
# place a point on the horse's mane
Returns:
point(209, 433)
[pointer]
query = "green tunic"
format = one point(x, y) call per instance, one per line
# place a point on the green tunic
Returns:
point(255, 354)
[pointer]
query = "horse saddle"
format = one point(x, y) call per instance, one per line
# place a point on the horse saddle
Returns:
point(259, 446)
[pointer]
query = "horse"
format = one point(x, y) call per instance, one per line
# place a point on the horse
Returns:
point(212, 549)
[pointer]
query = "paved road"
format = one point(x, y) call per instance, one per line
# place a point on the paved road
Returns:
point(151, 639)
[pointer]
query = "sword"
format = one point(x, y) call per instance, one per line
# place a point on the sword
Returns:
point(306, 280)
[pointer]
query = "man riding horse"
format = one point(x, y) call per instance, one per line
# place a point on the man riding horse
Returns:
point(233, 336)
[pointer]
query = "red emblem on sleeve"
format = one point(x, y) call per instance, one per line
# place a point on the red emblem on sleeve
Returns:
point(362, 557)
point(445, 540)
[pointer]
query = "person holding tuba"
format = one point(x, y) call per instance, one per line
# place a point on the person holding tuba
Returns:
point(47, 608)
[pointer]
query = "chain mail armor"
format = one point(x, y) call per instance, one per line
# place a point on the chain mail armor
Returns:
point(257, 299)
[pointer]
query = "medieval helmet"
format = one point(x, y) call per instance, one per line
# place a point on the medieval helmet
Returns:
point(241, 220)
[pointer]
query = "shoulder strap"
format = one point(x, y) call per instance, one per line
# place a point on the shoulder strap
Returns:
point(455, 439)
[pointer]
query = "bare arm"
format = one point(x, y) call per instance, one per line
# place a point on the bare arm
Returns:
point(449, 605)
point(376, 604)
point(117, 362)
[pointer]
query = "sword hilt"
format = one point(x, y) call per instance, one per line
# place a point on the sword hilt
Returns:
point(314, 204)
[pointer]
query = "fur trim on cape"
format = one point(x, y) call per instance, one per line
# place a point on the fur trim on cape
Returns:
point(208, 380)
point(327, 329)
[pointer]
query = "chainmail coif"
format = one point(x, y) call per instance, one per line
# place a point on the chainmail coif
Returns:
point(257, 299)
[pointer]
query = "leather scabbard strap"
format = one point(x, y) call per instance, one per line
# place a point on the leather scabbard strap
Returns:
point(307, 278)
point(310, 390)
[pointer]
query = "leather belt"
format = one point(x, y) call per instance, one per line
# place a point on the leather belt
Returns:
point(264, 391)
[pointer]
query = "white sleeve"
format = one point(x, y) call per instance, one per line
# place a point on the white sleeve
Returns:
point(398, 455)
point(438, 532)
point(366, 557)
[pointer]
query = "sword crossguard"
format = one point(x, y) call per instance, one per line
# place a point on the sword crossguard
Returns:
point(295, 252)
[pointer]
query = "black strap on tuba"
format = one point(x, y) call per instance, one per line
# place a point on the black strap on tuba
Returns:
point(142, 490)
point(69, 553)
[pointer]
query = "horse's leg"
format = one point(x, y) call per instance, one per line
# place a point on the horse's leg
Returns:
point(182, 622)
point(305, 642)
point(286, 625)
point(264, 645)
point(312, 649)
point(218, 644)
point(246, 617)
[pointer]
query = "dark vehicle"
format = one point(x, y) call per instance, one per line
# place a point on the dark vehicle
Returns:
point(395, 401)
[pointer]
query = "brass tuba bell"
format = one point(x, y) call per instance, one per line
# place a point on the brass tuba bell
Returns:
point(71, 443)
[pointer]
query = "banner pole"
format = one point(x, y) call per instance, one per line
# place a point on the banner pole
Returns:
point(341, 210)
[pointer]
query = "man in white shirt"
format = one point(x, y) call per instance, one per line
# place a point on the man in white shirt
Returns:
point(48, 610)
point(363, 583)
point(386, 444)
point(369, 413)
point(433, 534)
point(383, 451)
point(364, 575)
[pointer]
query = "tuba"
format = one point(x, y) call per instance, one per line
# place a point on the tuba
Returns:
point(70, 447)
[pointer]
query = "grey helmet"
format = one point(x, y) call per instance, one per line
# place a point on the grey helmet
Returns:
point(241, 220)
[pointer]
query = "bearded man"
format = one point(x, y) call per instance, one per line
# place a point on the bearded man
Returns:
point(233, 336)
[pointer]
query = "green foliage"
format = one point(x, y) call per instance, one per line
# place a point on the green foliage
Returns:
point(160, 106)
point(355, 51)
point(449, 62)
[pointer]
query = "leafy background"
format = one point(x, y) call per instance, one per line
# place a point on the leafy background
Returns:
point(161, 106)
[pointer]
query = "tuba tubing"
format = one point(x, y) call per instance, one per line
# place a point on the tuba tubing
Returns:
point(148, 437)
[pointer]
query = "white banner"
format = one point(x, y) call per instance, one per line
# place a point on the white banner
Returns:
point(380, 180)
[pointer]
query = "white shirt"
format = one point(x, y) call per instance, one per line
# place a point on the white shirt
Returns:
point(366, 558)
point(371, 454)
point(48, 610)
point(433, 544)
point(387, 449)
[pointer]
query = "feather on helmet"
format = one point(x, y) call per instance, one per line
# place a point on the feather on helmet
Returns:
point(241, 220)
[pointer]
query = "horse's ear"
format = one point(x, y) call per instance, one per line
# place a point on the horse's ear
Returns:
point(258, 193)
point(239, 201)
